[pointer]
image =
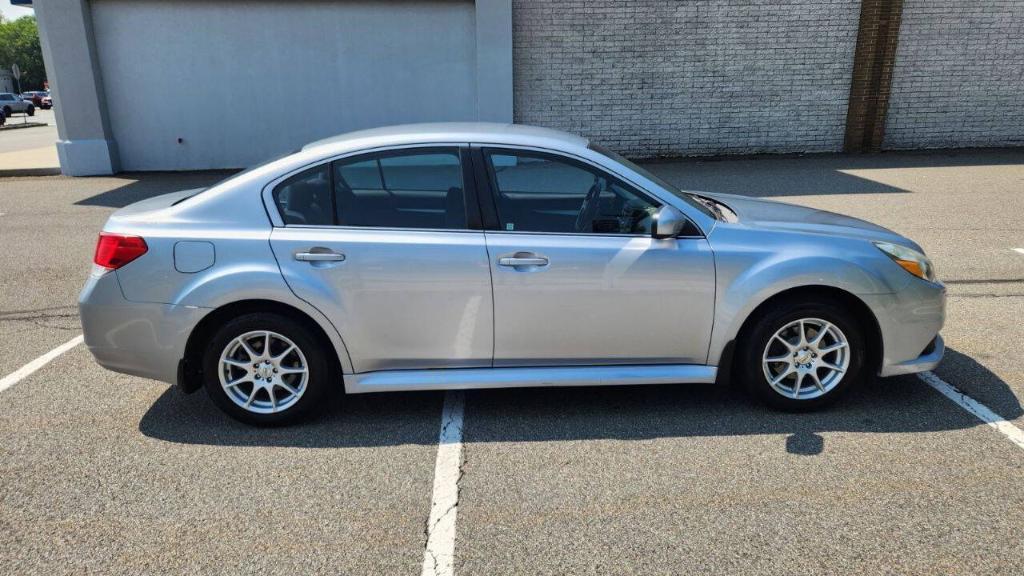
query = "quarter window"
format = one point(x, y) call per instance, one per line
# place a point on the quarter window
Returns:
point(305, 199)
point(545, 193)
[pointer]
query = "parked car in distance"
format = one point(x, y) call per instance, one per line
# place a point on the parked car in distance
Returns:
point(10, 103)
point(39, 99)
point(476, 255)
point(32, 97)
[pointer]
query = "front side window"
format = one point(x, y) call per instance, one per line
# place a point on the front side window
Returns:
point(545, 193)
point(415, 188)
point(684, 196)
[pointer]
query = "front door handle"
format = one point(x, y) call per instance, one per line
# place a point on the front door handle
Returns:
point(523, 259)
point(319, 256)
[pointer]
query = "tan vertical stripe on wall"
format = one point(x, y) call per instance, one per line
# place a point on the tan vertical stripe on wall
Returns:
point(877, 38)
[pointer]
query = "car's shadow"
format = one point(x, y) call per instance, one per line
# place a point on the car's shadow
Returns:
point(893, 405)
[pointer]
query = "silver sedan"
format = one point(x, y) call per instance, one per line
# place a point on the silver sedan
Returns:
point(450, 256)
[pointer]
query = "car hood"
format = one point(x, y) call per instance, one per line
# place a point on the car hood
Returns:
point(773, 215)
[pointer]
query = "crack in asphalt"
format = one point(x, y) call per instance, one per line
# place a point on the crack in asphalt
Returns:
point(4, 313)
point(43, 317)
point(428, 528)
point(439, 528)
point(985, 281)
point(986, 295)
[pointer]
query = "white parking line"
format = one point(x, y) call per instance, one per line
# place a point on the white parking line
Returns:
point(439, 553)
point(1016, 435)
point(26, 370)
point(1021, 250)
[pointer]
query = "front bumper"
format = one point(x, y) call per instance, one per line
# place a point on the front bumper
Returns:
point(909, 321)
point(141, 339)
point(926, 361)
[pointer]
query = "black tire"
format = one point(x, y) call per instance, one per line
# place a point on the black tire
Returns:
point(8, 111)
point(318, 384)
point(751, 349)
point(31, 110)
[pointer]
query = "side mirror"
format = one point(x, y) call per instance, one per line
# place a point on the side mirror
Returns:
point(668, 222)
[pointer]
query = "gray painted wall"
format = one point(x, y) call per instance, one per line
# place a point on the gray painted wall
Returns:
point(240, 82)
point(679, 77)
point(959, 75)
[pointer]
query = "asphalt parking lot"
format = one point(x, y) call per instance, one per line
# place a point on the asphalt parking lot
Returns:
point(106, 473)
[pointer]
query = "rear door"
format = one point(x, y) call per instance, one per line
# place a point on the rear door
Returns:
point(383, 244)
point(578, 279)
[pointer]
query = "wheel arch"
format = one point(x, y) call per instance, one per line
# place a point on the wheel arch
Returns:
point(861, 311)
point(190, 367)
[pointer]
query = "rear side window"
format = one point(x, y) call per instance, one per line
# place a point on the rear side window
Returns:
point(416, 188)
point(305, 199)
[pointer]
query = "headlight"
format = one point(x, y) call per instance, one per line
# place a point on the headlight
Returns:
point(911, 260)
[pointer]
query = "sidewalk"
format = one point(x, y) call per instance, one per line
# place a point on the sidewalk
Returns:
point(30, 151)
point(31, 162)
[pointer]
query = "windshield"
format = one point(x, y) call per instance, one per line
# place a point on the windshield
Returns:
point(688, 198)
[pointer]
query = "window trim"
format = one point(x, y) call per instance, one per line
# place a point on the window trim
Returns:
point(470, 195)
point(483, 152)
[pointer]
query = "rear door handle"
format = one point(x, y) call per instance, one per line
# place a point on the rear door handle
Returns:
point(523, 259)
point(326, 256)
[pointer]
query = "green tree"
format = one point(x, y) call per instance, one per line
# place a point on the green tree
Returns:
point(19, 44)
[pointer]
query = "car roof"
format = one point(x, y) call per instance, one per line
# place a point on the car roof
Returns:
point(475, 132)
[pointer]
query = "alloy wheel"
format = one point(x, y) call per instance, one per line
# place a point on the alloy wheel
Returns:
point(806, 358)
point(263, 372)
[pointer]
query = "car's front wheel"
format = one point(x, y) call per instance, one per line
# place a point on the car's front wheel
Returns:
point(7, 111)
point(31, 110)
point(802, 355)
point(265, 369)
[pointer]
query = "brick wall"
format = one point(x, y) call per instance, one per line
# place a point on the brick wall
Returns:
point(959, 75)
point(685, 77)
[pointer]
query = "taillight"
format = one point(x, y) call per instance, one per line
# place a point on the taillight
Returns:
point(116, 250)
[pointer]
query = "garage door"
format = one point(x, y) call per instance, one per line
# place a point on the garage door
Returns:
point(226, 84)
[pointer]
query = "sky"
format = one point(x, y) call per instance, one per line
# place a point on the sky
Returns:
point(12, 12)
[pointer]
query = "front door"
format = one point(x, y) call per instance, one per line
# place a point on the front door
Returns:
point(578, 279)
point(380, 244)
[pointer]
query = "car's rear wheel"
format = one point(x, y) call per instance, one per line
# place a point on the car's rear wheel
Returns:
point(8, 111)
point(31, 110)
point(265, 369)
point(802, 355)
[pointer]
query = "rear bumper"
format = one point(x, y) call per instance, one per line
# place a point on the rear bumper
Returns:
point(141, 339)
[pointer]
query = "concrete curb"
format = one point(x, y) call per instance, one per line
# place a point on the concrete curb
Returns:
point(19, 172)
point(10, 126)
